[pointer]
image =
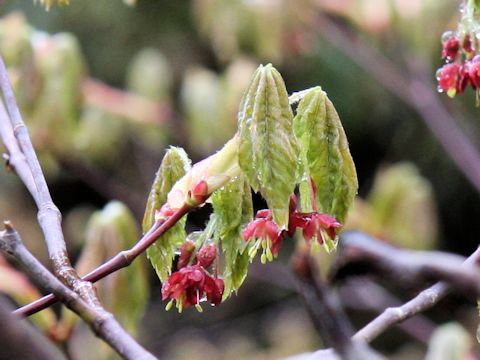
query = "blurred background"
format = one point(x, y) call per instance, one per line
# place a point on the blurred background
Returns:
point(106, 86)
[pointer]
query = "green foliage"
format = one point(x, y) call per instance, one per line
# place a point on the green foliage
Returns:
point(329, 174)
point(233, 209)
point(174, 165)
point(268, 152)
point(402, 204)
point(449, 341)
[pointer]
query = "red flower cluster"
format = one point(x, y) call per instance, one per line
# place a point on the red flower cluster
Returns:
point(268, 235)
point(313, 225)
point(462, 65)
point(192, 284)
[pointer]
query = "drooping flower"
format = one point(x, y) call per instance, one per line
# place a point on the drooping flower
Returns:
point(207, 255)
point(267, 235)
point(314, 224)
point(467, 46)
point(186, 252)
point(448, 79)
point(450, 48)
point(190, 285)
point(474, 72)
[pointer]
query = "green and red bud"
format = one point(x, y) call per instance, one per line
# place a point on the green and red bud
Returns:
point(206, 177)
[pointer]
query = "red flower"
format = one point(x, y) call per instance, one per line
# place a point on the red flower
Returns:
point(474, 71)
point(207, 255)
point(448, 79)
point(186, 252)
point(313, 224)
point(450, 48)
point(468, 46)
point(190, 285)
point(267, 233)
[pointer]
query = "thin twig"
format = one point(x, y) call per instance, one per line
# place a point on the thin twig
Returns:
point(15, 158)
point(326, 314)
point(357, 294)
point(409, 265)
point(364, 294)
point(119, 261)
point(405, 84)
point(102, 323)
point(436, 265)
point(49, 216)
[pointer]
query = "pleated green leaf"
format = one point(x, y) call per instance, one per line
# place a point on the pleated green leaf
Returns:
point(233, 209)
point(161, 254)
point(268, 152)
point(329, 174)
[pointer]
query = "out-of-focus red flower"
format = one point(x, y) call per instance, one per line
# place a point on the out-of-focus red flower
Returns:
point(448, 79)
point(207, 255)
point(450, 48)
point(186, 252)
point(191, 285)
point(474, 72)
point(467, 46)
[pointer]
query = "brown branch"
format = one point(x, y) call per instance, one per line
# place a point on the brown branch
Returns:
point(125, 104)
point(364, 294)
point(102, 323)
point(411, 87)
point(326, 314)
point(414, 265)
point(119, 261)
point(410, 266)
point(357, 294)
point(20, 340)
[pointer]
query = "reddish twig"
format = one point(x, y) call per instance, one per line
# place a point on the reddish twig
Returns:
point(119, 261)
point(102, 323)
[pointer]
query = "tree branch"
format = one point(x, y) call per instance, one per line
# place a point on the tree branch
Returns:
point(413, 264)
point(119, 261)
point(328, 317)
point(405, 84)
point(102, 323)
point(49, 216)
point(20, 340)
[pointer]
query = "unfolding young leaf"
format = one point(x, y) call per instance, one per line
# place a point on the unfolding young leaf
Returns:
point(233, 209)
point(125, 293)
point(329, 174)
point(174, 165)
point(268, 152)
